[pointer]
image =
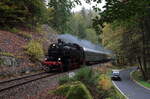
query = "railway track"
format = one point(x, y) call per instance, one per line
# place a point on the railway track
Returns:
point(12, 83)
point(8, 84)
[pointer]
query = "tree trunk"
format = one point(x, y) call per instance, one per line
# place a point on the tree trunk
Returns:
point(141, 68)
point(143, 51)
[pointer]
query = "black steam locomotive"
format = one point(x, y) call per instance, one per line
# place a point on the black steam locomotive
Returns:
point(66, 56)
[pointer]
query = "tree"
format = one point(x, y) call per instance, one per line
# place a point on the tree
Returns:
point(80, 24)
point(16, 13)
point(134, 13)
point(92, 36)
point(61, 13)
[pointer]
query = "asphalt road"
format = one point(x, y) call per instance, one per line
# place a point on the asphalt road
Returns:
point(130, 88)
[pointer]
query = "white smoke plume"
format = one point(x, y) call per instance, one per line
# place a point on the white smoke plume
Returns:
point(84, 43)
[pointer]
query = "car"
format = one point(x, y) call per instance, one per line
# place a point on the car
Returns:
point(115, 75)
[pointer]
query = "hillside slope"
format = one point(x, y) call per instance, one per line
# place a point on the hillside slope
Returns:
point(13, 56)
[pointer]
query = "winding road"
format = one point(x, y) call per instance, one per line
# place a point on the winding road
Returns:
point(131, 89)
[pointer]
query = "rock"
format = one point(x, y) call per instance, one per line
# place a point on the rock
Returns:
point(1, 50)
point(7, 41)
point(9, 61)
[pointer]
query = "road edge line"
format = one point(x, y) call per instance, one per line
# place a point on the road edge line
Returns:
point(137, 81)
point(119, 90)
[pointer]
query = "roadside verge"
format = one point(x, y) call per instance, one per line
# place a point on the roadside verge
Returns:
point(119, 90)
point(132, 78)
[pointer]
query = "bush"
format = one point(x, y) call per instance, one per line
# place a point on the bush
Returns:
point(104, 82)
point(86, 75)
point(98, 84)
point(75, 90)
point(35, 50)
point(64, 80)
point(39, 29)
point(25, 35)
point(1, 61)
point(6, 54)
point(14, 30)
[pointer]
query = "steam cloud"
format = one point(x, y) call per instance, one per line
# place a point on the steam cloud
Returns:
point(84, 43)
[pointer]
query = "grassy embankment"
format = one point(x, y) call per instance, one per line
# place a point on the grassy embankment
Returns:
point(89, 84)
point(138, 77)
point(22, 50)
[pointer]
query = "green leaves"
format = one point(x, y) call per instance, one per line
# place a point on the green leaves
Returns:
point(123, 10)
point(14, 12)
point(61, 13)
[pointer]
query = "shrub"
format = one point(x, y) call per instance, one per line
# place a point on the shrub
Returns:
point(86, 75)
point(98, 84)
point(75, 90)
point(107, 91)
point(25, 35)
point(64, 80)
point(39, 29)
point(104, 82)
point(1, 61)
point(6, 54)
point(34, 50)
point(14, 30)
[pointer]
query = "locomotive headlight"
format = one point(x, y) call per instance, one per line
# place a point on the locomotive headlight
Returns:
point(59, 59)
point(54, 45)
point(45, 58)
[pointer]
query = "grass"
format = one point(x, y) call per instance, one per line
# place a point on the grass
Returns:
point(118, 95)
point(119, 67)
point(20, 33)
point(99, 83)
point(6, 54)
point(138, 77)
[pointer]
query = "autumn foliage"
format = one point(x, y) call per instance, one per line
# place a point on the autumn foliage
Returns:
point(34, 50)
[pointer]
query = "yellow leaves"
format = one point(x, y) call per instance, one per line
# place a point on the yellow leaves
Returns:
point(35, 50)
point(104, 82)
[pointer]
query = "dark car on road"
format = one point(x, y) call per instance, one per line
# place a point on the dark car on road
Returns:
point(115, 75)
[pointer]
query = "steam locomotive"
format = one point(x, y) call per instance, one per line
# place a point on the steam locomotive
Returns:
point(66, 56)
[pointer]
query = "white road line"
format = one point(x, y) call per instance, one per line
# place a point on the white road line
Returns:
point(119, 90)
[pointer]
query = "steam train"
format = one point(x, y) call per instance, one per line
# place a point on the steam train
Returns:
point(66, 56)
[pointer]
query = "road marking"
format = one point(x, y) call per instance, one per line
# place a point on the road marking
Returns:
point(119, 90)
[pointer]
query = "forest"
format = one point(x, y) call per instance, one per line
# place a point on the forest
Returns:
point(122, 26)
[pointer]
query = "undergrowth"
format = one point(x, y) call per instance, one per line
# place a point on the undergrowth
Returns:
point(97, 82)
point(35, 50)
